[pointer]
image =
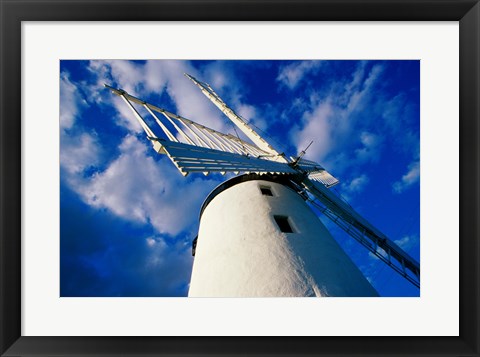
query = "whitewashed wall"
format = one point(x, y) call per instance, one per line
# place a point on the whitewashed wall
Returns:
point(241, 252)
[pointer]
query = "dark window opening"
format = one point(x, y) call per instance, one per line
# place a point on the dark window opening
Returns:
point(266, 191)
point(283, 224)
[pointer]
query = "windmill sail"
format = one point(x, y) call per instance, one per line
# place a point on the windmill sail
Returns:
point(363, 231)
point(316, 172)
point(195, 148)
point(236, 119)
point(189, 158)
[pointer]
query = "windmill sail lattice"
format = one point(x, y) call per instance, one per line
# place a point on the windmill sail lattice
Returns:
point(196, 148)
point(193, 147)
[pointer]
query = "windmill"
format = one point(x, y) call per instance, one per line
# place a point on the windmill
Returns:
point(258, 235)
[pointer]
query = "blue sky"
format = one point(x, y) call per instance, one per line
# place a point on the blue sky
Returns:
point(128, 216)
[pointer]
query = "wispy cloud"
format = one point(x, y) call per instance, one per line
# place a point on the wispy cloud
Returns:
point(407, 180)
point(318, 127)
point(71, 102)
point(375, 258)
point(357, 184)
point(148, 81)
point(103, 256)
point(332, 116)
point(370, 149)
point(79, 150)
point(292, 74)
point(137, 188)
point(79, 153)
point(406, 242)
point(111, 169)
point(132, 185)
point(353, 187)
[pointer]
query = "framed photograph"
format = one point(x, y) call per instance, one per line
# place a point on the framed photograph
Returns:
point(101, 236)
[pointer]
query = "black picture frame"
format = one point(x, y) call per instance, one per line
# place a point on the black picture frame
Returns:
point(13, 12)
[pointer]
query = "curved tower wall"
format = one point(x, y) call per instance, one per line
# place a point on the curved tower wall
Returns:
point(242, 252)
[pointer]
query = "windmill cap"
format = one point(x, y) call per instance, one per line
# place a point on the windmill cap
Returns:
point(281, 179)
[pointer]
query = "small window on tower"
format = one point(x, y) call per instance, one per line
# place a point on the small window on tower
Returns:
point(283, 223)
point(267, 191)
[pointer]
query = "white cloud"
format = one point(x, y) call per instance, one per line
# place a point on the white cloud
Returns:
point(190, 101)
point(150, 241)
point(155, 77)
point(71, 102)
point(356, 81)
point(357, 184)
point(78, 153)
point(410, 178)
point(405, 242)
point(218, 75)
point(292, 74)
point(150, 80)
point(359, 93)
point(318, 127)
point(331, 120)
point(246, 111)
point(134, 186)
point(137, 188)
point(379, 251)
point(157, 253)
point(370, 150)
point(392, 110)
point(129, 75)
point(125, 117)
point(165, 266)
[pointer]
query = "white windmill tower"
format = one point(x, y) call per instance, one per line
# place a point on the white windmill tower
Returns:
point(258, 237)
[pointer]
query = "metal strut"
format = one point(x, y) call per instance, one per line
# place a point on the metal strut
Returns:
point(371, 244)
